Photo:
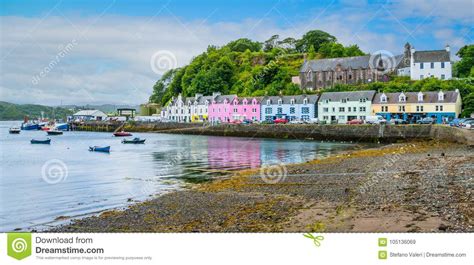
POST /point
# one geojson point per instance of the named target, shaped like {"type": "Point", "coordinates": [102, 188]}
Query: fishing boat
{"type": "Point", "coordinates": [30, 126]}
{"type": "Point", "coordinates": [47, 141]}
{"type": "Point", "coordinates": [54, 132]}
{"type": "Point", "coordinates": [135, 140]}
{"type": "Point", "coordinates": [14, 130]}
{"type": "Point", "coordinates": [62, 126]}
{"type": "Point", "coordinates": [122, 134]}
{"type": "Point", "coordinates": [105, 149]}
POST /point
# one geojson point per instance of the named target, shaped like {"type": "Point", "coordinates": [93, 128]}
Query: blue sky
{"type": "Point", "coordinates": [108, 46]}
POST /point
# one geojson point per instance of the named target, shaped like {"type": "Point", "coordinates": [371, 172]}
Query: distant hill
{"type": "Point", "coordinates": [10, 111]}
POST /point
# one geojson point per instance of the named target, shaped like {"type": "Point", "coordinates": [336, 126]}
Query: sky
{"type": "Point", "coordinates": [113, 51]}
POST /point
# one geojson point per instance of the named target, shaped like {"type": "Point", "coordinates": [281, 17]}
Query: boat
{"type": "Point", "coordinates": [105, 149]}
{"type": "Point", "coordinates": [47, 141]}
{"type": "Point", "coordinates": [135, 140]}
{"type": "Point", "coordinates": [62, 126]}
{"type": "Point", "coordinates": [14, 130]}
{"type": "Point", "coordinates": [122, 134]}
{"type": "Point", "coordinates": [30, 126]}
{"type": "Point", "coordinates": [54, 132]}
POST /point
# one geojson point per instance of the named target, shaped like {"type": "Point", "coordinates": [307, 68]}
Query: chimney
{"type": "Point", "coordinates": [448, 49]}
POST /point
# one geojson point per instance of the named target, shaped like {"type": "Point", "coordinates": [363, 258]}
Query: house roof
{"type": "Point", "coordinates": [90, 113]}
{"type": "Point", "coordinates": [412, 97]}
{"type": "Point", "coordinates": [312, 99]}
{"type": "Point", "coordinates": [350, 95]}
{"type": "Point", "coordinates": [221, 98]}
{"type": "Point", "coordinates": [431, 56]}
{"type": "Point", "coordinates": [329, 64]}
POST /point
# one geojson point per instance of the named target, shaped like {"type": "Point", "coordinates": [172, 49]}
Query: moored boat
{"type": "Point", "coordinates": [30, 126]}
{"type": "Point", "coordinates": [122, 134]}
{"type": "Point", "coordinates": [54, 132]}
{"type": "Point", "coordinates": [35, 141]}
{"type": "Point", "coordinates": [135, 140]}
{"type": "Point", "coordinates": [62, 126]}
{"type": "Point", "coordinates": [14, 130]}
{"type": "Point", "coordinates": [105, 149]}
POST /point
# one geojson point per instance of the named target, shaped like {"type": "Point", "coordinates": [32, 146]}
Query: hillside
{"type": "Point", "coordinates": [246, 67]}
{"type": "Point", "coordinates": [10, 111]}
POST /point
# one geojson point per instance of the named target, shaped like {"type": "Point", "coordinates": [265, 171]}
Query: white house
{"type": "Point", "coordinates": [189, 109]}
{"type": "Point", "coordinates": [424, 64]}
{"type": "Point", "coordinates": [340, 107]}
{"type": "Point", "coordinates": [299, 107]}
{"type": "Point", "coordinates": [89, 115]}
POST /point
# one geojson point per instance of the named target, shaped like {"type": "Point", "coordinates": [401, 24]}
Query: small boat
{"type": "Point", "coordinates": [14, 130]}
{"type": "Point", "coordinates": [135, 140]}
{"type": "Point", "coordinates": [105, 149]}
{"type": "Point", "coordinates": [122, 134]}
{"type": "Point", "coordinates": [54, 132]}
{"type": "Point", "coordinates": [47, 141]}
{"type": "Point", "coordinates": [62, 126]}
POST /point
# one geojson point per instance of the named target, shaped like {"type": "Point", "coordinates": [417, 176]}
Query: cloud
{"type": "Point", "coordinates": [110, 61]}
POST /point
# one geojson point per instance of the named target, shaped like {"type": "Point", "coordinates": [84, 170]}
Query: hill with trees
{"type": "Point", "coordinates": [12, 112]}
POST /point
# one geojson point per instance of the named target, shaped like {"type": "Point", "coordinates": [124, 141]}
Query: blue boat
{"type": "Point", "coordinates": [62, 126]}
{"type": "Point", "coordinates": [105, 149]}
{"type": "Point", "coordinates": [30, 126]}
{"type": "Point", "coordinates": [47, 141]}
{"type": "Point", "coordinates": [135, 140]}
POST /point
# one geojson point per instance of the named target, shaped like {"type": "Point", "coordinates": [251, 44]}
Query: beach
{"type": "Point", "coordinates": [422, 186]}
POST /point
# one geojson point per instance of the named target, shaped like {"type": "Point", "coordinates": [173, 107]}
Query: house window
{"type": "Point", "coordinates": [279, 102]}
{"type": "Point", "coordinates": [402, 98]}
{"type": "Point", "coordinates": [442, 64]}
{"type": "Point", "coordinates": [421, 66]}
{"type": "Point", "coordinates": [245, 110]}
{"type": "Point", "coordinates": [443, 77]}
{"type": "Point", "coordinates": [305, 110]}
{"type": "Point", "coordinates": [325, 118]}
{"type": "Point", "coordinates": [420, 96]}
{"type": "Point", "coordinates": [254, 110]}
{"type": "Point", "coordinates": [268, 110]}
{"type": "Point", "coordinates": [441, 108]}
{"type": "Point", "coordinates": [354, 108]}
{"type": "Point", "coordinates": [268, 102]}
{"type": "Point", "coordinates": [333, 109]}
{"type": "Point", "coordinates": [342, 117]}
{"type": "Point", "coordinates": [419, 108]}
{"type": "Point", "coordinates": [362, 109]}
{"type": "Point", "coordinates": [349, 109]}
{"type": "Point", "coordinates": [341, 109]}
{"type": "Point", "coordinates": [401, 108]}
{"type": "Point", "coordinates": [305, 101]}
{"type": "Point", "coordinates": [292, 101]}
{"type": "Point", "coordinates": [279, 110]}
{"type": "Point", "coordinates": [292, 110]}
{"type": "Point", "coordinates": [383, 98]}
{"type": "Point", "coordinates": [421, 76]}
{"type": "Point", "coordinates": [344, 100]}
{"type": "Point", "coordinates": [437, 109]}
{"type": "Point", "coordinates": [325, 109]}
{"type": "Point", "coordinates": [432, 65]}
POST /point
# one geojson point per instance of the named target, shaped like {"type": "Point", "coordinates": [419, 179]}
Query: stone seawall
{"type": "Point", "coordinates": [358, 133]}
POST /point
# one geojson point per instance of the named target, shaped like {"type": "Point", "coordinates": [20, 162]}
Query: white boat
{"type": "Point", "coordinates": [14, 130]}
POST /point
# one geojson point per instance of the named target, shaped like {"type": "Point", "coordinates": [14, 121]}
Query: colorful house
{"type": "Point", "coordinates": [340, 107]}
{"type": "Point", "coordinates": [300, 107]}
{"type": "Point", "coordinates": [229, 108]}
{"type": "Point", "coordinates": [412, 106]}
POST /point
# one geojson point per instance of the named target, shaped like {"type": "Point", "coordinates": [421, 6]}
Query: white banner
{"type": "Point", "coordinates": [237, 248]}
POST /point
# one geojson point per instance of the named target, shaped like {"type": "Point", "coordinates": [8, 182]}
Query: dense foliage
{"type": "Point", "coordinates": [249, 68]}
{"type": "Point", "coordinates": [9, 111]}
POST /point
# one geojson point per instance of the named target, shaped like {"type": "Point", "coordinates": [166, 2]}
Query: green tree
{"type": "Point", "coordinates": [241, 45]}
{"type": "Point", "coordinates": [313, 38]}
{"type": "Point", "coordinates": [465, 67]}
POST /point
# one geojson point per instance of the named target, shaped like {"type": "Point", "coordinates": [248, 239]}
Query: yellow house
{"type": "Point", "coordinates": [443, 106]}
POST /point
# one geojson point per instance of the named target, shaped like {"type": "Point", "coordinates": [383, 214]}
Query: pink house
{"type": "Point", "coordinates": [230, 108]}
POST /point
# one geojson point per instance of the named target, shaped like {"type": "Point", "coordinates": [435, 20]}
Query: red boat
{"type": "Point", "coordinates": [122, 134]}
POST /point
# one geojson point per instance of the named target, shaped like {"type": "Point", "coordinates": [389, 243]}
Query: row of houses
{"type": "Point", "coordinates": [331, 107]}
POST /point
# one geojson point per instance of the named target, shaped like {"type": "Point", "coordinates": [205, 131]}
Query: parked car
{"type": "Point", "coordinates": [236, 122]}
{"type": "Point", "coordinates": [464, 121]}
{"type": "Point", "coordinates": [468, 124]}
{"type": "Point", "coordinates": [398, 121]}
{"type": "Point", "coordinates": [426, 120]}
{"type": "Point", "coordinates": [296, 121]}
{"type": "Point", "coordinates": [375, 120]}
{"type": "Point", "coordinates": [312, 121]}
{"type": "Point", "coordinates": [280, 121]}
{"type": "Point", "coordinates": [355, 121]}
{"type": "Point", "coordinates": [247, 122]}
{"type": "Point", "coordinates": [267, 122]}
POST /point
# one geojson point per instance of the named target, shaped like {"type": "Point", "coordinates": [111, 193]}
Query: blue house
{"type": "Point", "coordinates": [298, 107]}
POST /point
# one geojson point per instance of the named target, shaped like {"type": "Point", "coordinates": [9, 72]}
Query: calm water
{"type": "Point", "coordinates": [39, 183]}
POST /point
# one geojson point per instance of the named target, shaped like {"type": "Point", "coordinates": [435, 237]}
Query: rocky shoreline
{"type": "Point", "coordinates": [408, 187]}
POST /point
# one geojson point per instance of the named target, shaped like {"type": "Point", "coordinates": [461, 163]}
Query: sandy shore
{"type": "Point", "coordinates": [409, 187]}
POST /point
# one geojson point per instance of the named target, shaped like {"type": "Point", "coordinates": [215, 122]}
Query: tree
{"type": "Point", "coordinates": [161, 86]}
{"type": "Point", "coordinates": [468, 105]}
{"type": "Point", "coordinates": [288, 44]}
{"type": "Point", "coordinates": [465, 67]}
{"type": "Point", "coordinates": [271, 43]}
{"type": "Point", "coordinates": [243, 44]}
{"type": "Point", "coordinates": [313, 38]}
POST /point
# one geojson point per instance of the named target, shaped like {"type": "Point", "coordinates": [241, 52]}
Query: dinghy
{"type": "Point", "coordinates": [135, 140]}
{"type": "Point", "coordinates": [14, 130]}
{"type": "Point", "coordinates": [35, 141]}
{"type": "Point", "coordinates": [122, 134]}
{"type": "Point", "coordinates": [105, 149]}
{"type": "Point", "coordinates": [54, 132]}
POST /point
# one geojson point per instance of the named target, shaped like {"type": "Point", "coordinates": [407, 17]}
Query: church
{"type": "Point", "coordinates": [323, 73]}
